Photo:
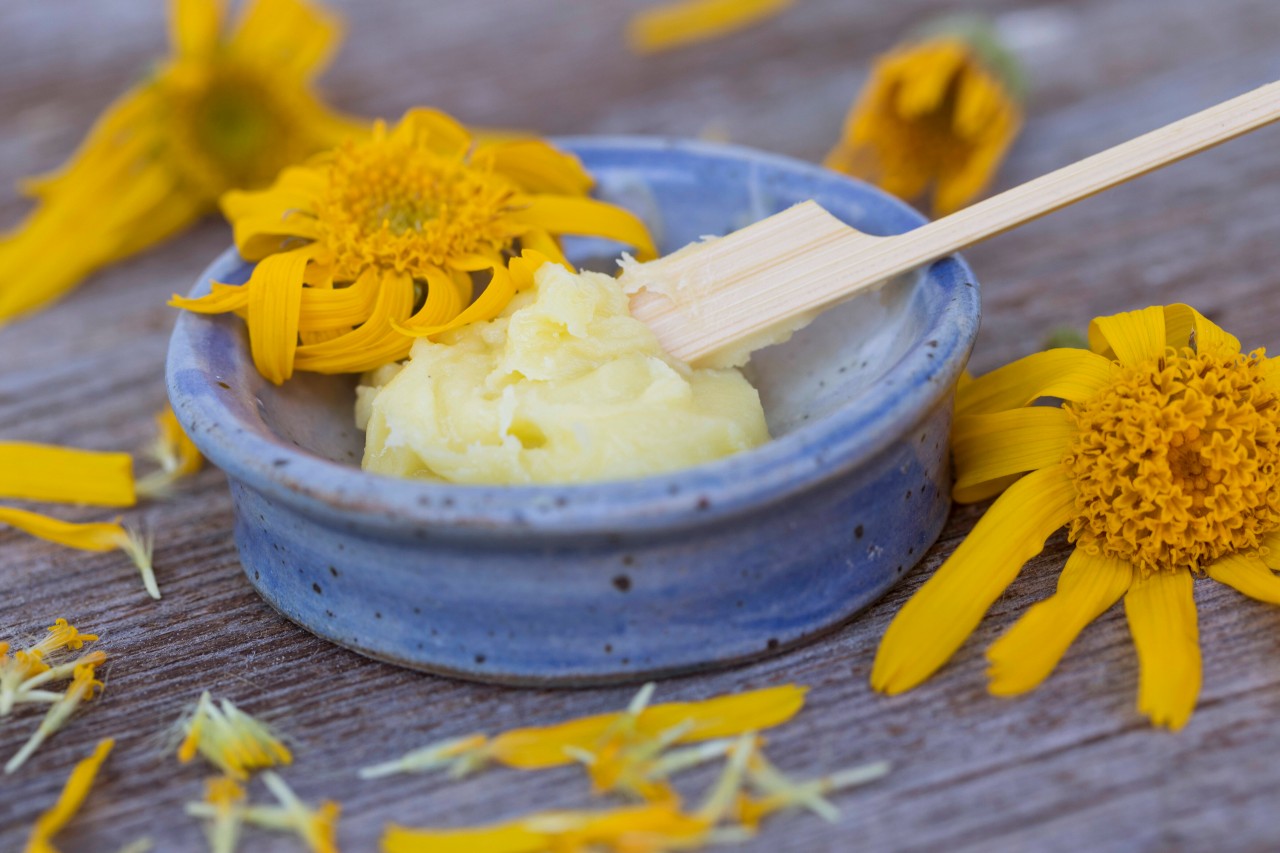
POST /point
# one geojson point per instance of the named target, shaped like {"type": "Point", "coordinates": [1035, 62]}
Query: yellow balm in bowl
{"type": "Point", "coordinates": [564, 386]}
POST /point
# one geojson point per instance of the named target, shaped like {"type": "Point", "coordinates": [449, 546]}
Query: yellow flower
{"type": "Point", "coordinates": [73, 794]}
{"type": "Point", "coordinates": [25, 672]}
{"type": "Point", "coordinates": [940, 112]}
{"type": "Point", "coordinates": [346, 244]}
{"type": "Point", "coordinates": [230, 739]}
{"type": "Point", "coordinates": [683, 22]}
{"type": "Point", "coordinates": [82, 687]}
{"type": "Point", "coordinates": [176, 454]}
{"type": "Point", "coordinates": [225, 110]}
{"type": "Point", "coordinates": [1162, 463]}
{"type": "Point", "coordinates": [617, 747]}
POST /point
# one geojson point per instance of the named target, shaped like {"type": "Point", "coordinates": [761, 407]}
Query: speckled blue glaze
{"type": "Point", "coordinates": [584, 584]}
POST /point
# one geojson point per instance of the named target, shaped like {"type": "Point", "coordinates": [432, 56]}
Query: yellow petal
{"type": "Point", "coordinates": [568, 215]}
{"type": "Point", "coordinates": [683, 22]}
{"type": "Point", "coordinates": [924, 81]}
{"type": "Point", "coordinates": [1131, 336]}
{"type": "Point", "coordinates": [375, 342]}
{"type": "Point", "coordinates": [439, 131]}
{"type": "Point", "coordinates": [340, 307]}
{"type": "Point", "coordinates": [1070, 374]}
{"type": "Point", "coordinates": [946, 609]}
{"type": "Point", "coordinates": [536, 167]}
{"type": "Point", "coordinates": [1185, 324]}
{"type": "Point", "coordinates": [963, 179]}
{"type": "Point", "coordinates": [222, 299]}
{"type": "Point", "coordinates": [40, 472]}
{"type": "Point", "coordinates": [504, 838]}
{"type": "Point", "coordinates": [69, 801]}
{"type": "Point", "coordinates": [992, 447]}
{"type": "Point", "coordinates": [195, 26]}
{"type": "Point", "coordinates": [1247, 575]}
{"type": "Point", "coordinates": [1162, 619]}
{"type": "Point", "coordinates": [1026, 653]}
{"type": "Point", "coordinates": [290, 37]}
{"type": "Point", "coordinates": [723, 716]}
{"type": "Point", "coordinates": [274, 309]}
{"type": "Point", "coordinates": [91, 536]}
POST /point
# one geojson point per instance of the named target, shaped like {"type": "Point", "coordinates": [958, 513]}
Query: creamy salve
{"type": "Point", "coordinates": [564, 386]}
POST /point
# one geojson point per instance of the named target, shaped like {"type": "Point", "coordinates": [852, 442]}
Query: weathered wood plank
{"type": "Point", "coordinates": [1071, 766]}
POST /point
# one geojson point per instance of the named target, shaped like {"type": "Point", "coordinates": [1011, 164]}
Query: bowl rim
{"type": "Point", "coordinates": [711, 492]}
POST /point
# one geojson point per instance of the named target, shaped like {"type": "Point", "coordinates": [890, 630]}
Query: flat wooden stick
{"type": "Point", "coordinates": [723, 292]}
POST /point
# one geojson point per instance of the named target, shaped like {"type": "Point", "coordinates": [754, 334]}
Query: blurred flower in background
{"type": "Point", "coordinates": [937, 113]}
{"type": "Point", "coordinates": [224, 111]}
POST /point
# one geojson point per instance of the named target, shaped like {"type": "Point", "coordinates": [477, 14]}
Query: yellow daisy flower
{"type": "Point", "coordinates": [225, 110]}
{"type": "Point", "coordinates": [936, 112]}
{"type": "Point", "coordinates": [69, 801]}
{"type": "Point", "coordinates": [1162, 463]}
{"type": "Point", "coordinates": [346, 244]}
{"type": "Point", "coordinates": [683, 22]}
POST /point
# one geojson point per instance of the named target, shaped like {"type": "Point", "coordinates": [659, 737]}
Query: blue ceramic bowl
{"type": "Point", "coordinates": [586, 584]}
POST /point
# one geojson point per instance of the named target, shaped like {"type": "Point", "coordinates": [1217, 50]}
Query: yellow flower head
{"type": "Point", "coordinates": [936, 112]}
{"type": "Point", "coordinates": [69, 801]}
{"type": "Point", "coordinates": [228, 108]}
{"type": "Point", "coordinates": [378, 239]}
{"type": "Point", "coordinates": [230, 739]}
{"type": "Point", "coordinates": [1163, 461]}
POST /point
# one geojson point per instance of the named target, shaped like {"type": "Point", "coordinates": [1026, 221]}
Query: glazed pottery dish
{"type": "Point", "coordinates": [611, 581]}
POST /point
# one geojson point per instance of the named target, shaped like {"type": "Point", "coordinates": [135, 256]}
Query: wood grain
{"type": "Point", "coordinates": [1071, 766]}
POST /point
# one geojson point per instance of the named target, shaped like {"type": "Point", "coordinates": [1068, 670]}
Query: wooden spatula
{"type": "Point", "coordinates": [774, 273]}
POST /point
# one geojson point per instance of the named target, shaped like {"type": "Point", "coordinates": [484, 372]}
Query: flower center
{"type": "Point", "coordinates": [231, 133]}
{"type": "Point", "coordinates": [395, 204]}
{"type": "Point", "coordinates": [1175, 462]}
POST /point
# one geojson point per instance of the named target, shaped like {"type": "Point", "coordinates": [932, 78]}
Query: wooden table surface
{"type": "Point", "coordinates": [1070, 766]}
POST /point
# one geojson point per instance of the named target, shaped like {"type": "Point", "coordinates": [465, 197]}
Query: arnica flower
{"type": "Point", "coordinates": [226, 110]}
{"type": "Point", "coordinates": [382, 236]}
{"type": "Point", "coordinates": [25, 674]}
{"type": "Point", "coordinates": [81, 689]}
{"type": "Point", "coordinates": [229, 739]}
{"type": "Point", "coordinates": [617, 746]}
{"type": "Point", "coordinates": [73, 795]}
{"type": "Point", "coordinates": [939, 111]}
{"type": "Point", "coordinates": [1163, 462]}
{"type": "Point", "coordinates": [684, 22]}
